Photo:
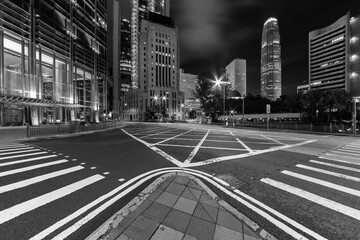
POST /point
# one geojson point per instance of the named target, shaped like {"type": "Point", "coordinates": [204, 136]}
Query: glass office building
{"type": "Point", "coordinates": [52, 61]}
{"type": "Point", "coordinates": [271, 60]}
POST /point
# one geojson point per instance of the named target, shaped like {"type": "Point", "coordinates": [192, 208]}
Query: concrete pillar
{"type": "Point", "coordinates": [34, 113]}
{"type": "Point", "coordinates": [2, 114]}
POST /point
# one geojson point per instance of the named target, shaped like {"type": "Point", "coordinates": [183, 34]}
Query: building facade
{"type": "Point", "coordinates": [52, 61]}
{"type": "Point", "coordinates": [113, 56]}
{"type": "Point", "coordinates": [188, 84]}
{"type": "Point", "coordinates": [271, 60]}
{"type": "Point", "coordinates": [159, 71]}
{"type": "Point", "coordinates": [236, 74]}
{"type": "Point", "coordinates": [139, 10]}
{"type": "Point", "coordinates": [334, 51]}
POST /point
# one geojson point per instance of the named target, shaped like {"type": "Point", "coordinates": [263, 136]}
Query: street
{"type": "Point", "coordinates": [293, 185]}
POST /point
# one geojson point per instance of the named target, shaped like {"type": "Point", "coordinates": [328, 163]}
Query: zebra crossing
{"type": "Point", "coordinates": [39, 187]}
{"type": "Point", "coordinates": [330, 181]}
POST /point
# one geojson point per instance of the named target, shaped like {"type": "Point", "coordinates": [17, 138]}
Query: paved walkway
{"type": "Point", "coordinates": [179, 207]}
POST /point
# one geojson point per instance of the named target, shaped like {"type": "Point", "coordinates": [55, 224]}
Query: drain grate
{"type": "Point", "coordinates": [232, 181]}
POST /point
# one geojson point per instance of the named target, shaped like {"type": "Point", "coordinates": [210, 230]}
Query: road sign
{"type": "Point", "coordinates": [267, 108]}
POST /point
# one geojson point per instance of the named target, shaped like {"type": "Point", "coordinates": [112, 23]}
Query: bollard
{"type": "Point", "coordinates": [27, 130]}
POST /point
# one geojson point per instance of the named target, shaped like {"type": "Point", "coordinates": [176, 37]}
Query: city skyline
{"type": "Point", "coordinates": [212, 33]}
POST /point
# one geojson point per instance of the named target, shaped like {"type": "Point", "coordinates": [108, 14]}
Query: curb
{"type": "Point", "coordinates": [105, 229]}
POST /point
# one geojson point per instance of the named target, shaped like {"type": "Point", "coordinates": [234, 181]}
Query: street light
{"type": "Point", "coordinates": [220, 83]}
{"type": "Point", "coordinates": [156, 98]}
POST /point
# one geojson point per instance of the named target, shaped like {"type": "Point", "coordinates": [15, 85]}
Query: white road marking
{"type": "Point", "coordinates": [338, 207]}
{"type": "Point", "coordinates": [238, 156]}
{"type": "Point", "coordinates": [341, 152]}
{"type": "Point", "coordinates": [348, 150]}
{"type": "Point", "coordinates": [342, 161]}
{"type": "Point", "coordinates": [82, 210]}
{"type": "Point", "coordinates": [267, 216]}
{"type": "Point", "coordinates": [188, 146]}
{"type": "Point", "coordinates": [336, 166]}
{"type": "Point", "coordinates": [329, 173]}
{"type": "Point", "coordinates": [242, 143]}
{"type": "Point", "coordinates": [16, 149]}
{"type": "Point", "coordinates": [92, 168]}
{"type": "Point", "coordinates": [342, 156]}
{"type": "Point", "coordinates": [37, 179]}
{"type": "Point", "coordinates": [16, 152]}
{"type": "Point", "coordinates": [26, 160]}
{"type": "Point", "coordinates": [323, 183]}
{"type": "Point", "coordinates": [24, 169]}
{"type": "Point", "coordinates": [157, 150]}
{"type": "Point", "coordinates": [274, 140]}
{"type": "Point", "coordinates": [156, 133]}
{"type": "Point", "coordinates": [121, 179]}
{"type": "Point", "coordinates": [19, 209]}
{"type": "Point", "coordinates": [165, 140]}
{"type": "Point", "coordinates": [22, 155]}
{"type": "Point", "coordinates": [196, 149]}
{"type": "Point", "coordinates": [106, 173]}
{"type": "Point", "coordinates": [12, 146]}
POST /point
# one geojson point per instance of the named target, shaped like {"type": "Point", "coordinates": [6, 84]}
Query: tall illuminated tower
{"type": "Point", "coordinates": [271, 60]}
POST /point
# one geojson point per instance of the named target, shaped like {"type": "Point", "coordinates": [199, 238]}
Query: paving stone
{"type": "Point", "coordinates": [123, 237]}
{"type": "Point", "coordinates": [177, 220]}
{"type": "Point", "coordinates": [164, 184]}
{"type": "Point", "coordinates": [182, 180]}
{"type": "Point", "coordinates": [193, 184]}
{"type": "Point", "coordinates": [156, 212]}
{"type": "Point", "coordinates": [166, 233]}
{"type": "Point", "coordinates": [212, 211]}
{"type": "Point", "coordinates": [185, 205]}
{"type": "Point", "coordinates": [167, 199]}
{"type": "Point", "coordinates": [226, 219]}
{"type": "Point", "coordinates": [115, 233]}
{"type": "Point", "coordinates": [188, 194]}
{"type": "Point", "coordinates": [135, 214]}
{"type": "Point", "coordinates": [197, 193]}
{"type": "Point", "coordinates": [200, 212]}
{"type": "Point", "coordinates": [224, 233]}
{"type": "Point", "coordinates": [153, 196]}
{"type": "Point", "coordinates": [250, 234]}
{"type": "Point", "coordinates": [142, 228]}
{"type": "Point", "coordinates": [175, 188]}
{"type": "Point", "coordinates": [189, 237]}
{"type": "Point", "coordinates": [201, 229]}
{"type": "Point", "coordinates": [205, 198]}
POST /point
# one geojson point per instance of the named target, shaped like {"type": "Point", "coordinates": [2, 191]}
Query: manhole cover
{"type": "Point", "coordinates": [232, 181]}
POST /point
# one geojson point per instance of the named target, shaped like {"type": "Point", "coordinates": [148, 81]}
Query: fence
{"type": "Point", "coordinates": [69, 128]}
{"type": "Point", "coordinates": [296, 126]}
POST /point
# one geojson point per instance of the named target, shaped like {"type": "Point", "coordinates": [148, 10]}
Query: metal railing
{"type": "Point", "coordinates": [295, 126]}
{"type": "Point", "coordinates": [68, 128]}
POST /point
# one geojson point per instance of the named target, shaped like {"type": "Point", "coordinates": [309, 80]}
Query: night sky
{"type": "Point", "coordinates": [214, 32]}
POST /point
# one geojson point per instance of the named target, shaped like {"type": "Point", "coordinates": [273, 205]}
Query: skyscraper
{"type": "Point", "coordinates": [334, 56]}
{"type": "Point", "coordinates": [271, 60]}
{"type": "Point", "coordinates": [236, 73]}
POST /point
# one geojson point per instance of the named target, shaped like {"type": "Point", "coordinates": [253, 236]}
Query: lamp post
{"type": "Point", "coordinates": [219, 83]}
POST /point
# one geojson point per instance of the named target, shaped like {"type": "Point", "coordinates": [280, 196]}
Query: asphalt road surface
{"type": "Point", "coordinates": [293, 185]}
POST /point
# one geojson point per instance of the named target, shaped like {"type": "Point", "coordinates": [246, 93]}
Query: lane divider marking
{"type": "Point", "coordinates": [338, 207]}
{"type": "Point", "coordinates": [196, 149]}
{"type": "Point", "coordinates": [19, 209]}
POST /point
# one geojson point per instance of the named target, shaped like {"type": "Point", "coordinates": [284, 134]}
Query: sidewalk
{"type": "Point", "coordinates": [178, 207]}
